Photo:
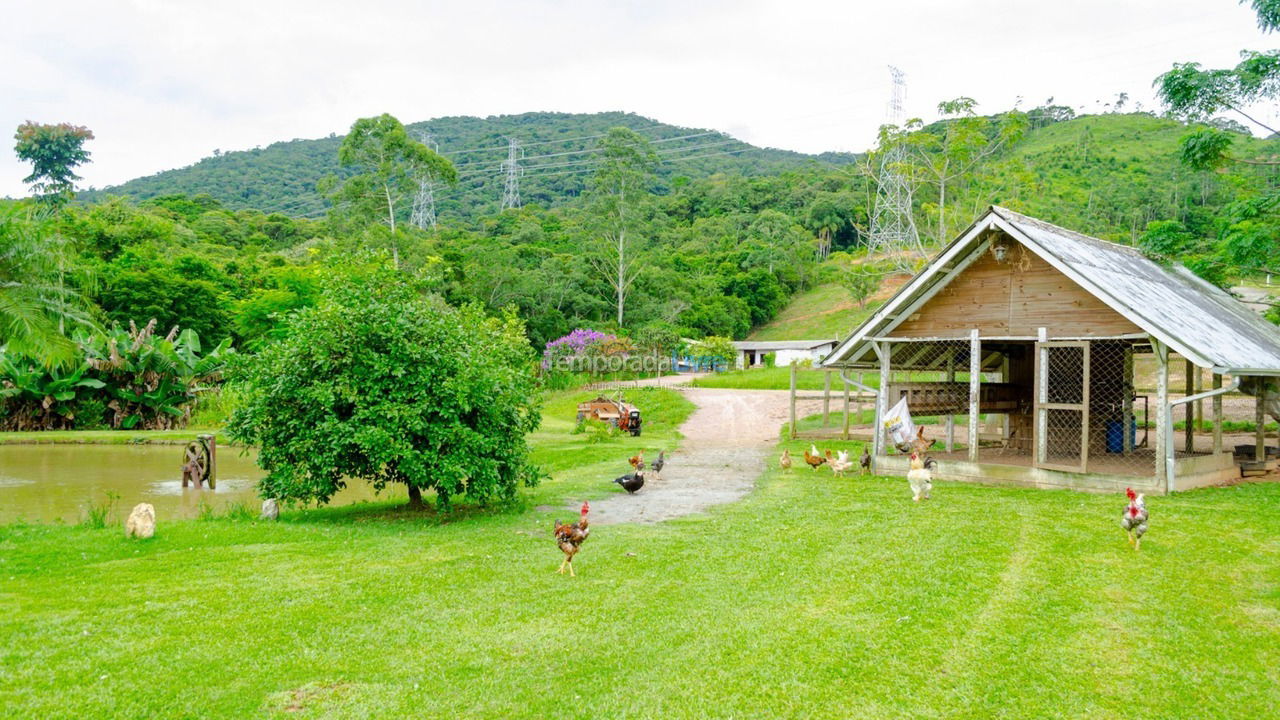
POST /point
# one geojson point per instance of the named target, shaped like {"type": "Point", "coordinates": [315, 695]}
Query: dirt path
{"type": "Point", "coordinates": [728, 440]}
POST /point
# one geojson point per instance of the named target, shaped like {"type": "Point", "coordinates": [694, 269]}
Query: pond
{"type": "Point", "coordinates": [48, 483]}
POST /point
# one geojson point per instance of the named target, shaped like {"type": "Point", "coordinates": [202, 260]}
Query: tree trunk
{"type": "Point", "coordinates": [415, 498]}
{"type": "Point", "coordinates": [391, 222]}
{"type": "Point", "coordinates": [622, 270]}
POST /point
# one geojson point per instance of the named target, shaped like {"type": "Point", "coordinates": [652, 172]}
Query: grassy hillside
{"type": "Point", "coordinates": [825, 311]}
{"type": "Point", "coordinates": [556, 148]}
{"type": "Point", "coordinates": [1106, 175]}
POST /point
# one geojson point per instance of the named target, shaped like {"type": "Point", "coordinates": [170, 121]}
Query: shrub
{"type": "Point", "coordinates": [379, 383]}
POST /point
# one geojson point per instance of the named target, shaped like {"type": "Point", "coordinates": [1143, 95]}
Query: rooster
{"type": "Point", "coordinates": [784, 462]}
{"type": "Point", "coordinates": [840, 463]}
{"type": "Point", "coordinates": [631, 482]}
{"type": "Point", "coordinates": [812, 457]}
{"type": "Point", "coordinates": [636, 460]}
{"type": "Point", "coordinates": [1134, 519]}
{"type": "Point", "coordinates": [920, 479]}
{"type": "Point", "coordinates": [865, 461]}
{"type": "Point", "coordinates": [570, 539]}
{"type": "Point", "coordinates": [659, 463]}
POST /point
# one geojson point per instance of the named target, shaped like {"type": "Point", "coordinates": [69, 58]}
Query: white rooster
{"type": "Point", "coordinates": [840, 463]}
{"type": "Point", "coordinates": [920, 478]}
{"type": "Point", "coordinates": [1134, 519]}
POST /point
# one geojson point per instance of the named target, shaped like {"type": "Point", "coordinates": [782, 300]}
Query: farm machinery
{"type": "Point", "coordinates": [622, 415]}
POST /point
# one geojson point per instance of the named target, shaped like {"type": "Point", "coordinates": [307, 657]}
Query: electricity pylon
{"type": "Point", "coordinates": [424, 203]}
{"type": "Point", "coordinates": [511, 167]}
{"type": "Point", "coordinates": [893, 229]}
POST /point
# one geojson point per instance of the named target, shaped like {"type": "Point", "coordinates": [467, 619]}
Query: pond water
{"type": "Point", "coordinates": [47, 483]}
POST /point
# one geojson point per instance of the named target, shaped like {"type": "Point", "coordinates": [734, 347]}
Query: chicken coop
{"type": "Point", "coordinates": [1039, 356]}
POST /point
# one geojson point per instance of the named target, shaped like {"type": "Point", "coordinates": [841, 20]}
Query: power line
{"type": "Point", "coordinates": [659, 153]}
{"type": "Point", "coordinates": [480, 165]}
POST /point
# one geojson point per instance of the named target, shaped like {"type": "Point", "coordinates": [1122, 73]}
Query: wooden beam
{"type": "Point", "coordinates": [1217, 415]}
{"type": "Point", "coordinates": [1041, 397]}
{"type": "Point", "coordinates": [1084, 410]}
{"type": "Point", "coordinates": [951, 418]}
{"type": "Point", "coordinates": [826, 399]}
{"type": "Point", "coordinates": [1190, 431]}
{"type": "Point", "coordinates": [1126, 416]}
{"type": "Point", "coordinates": [793, 401]}
{"type": "Point", "coordinates": [1164, 436]}
{"type": "Point", "coordinates": [975, 391]}
{"type": "Point", "coordinates": [844, 432]}
{"type": "Point", "coordinates": [882, 398]}
{"type": "Point", "coordinates": [1259, 417]}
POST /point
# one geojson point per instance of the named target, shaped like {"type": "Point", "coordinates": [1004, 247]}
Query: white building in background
{"type": "Point", "coordinates": [751, 353]}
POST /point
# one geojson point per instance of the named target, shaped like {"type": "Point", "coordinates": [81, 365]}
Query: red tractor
{"type": "Point", "coordinates": [619, 414]}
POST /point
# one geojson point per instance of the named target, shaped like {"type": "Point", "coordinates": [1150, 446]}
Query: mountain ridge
{"type": "Point", "coordinates": [557, 148]}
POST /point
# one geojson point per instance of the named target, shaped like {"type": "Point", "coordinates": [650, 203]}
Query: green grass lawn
{"type": "Point", "coordinates": [779, 378]}
{"type": "Point", "coordinates": [812, 597]}
{"type": "Point", "coordinates": [824, 311]}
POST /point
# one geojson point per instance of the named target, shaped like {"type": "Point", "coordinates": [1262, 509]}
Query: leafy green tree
{"type": "Point", "coordinates": [1194, 93]}
{"type": "Point", "coordinates": [1268, 14]}
{"type": "Point", "coordinates": [378, 383]}
{"type": "Point", "coordinates": [620, 188]}
{"type": "Point", "coordinates": [861, 284]}
{"type": "Point", "coordinates": [36, 304]}
{"type": "Point", "coordinates": [389, 165]}
{"type": "Point", "coordinates": [54, 151]}
{"type": "Point", "coordinates": [717, 347]}
{"type": "Point", "coordinates": [949, 150]}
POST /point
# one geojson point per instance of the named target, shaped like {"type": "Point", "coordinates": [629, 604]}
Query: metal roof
{"type": "Point", "coordinates": [1197, 320]}
{"type": "Point", "coordinates": [782, 344]}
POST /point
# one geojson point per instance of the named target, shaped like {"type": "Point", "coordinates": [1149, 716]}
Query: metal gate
{"type": "Point", "coordinates": [1062, 405]}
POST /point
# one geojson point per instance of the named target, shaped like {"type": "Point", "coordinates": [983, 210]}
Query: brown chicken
{"type": "Point", "coordinates": [636, 460]}
{"type": "Point", "coordinates": [784, 462]}
{"type": "Point", "coordinates": [571, 537]}
{"type": "Point", "coordinates": [813, 459]}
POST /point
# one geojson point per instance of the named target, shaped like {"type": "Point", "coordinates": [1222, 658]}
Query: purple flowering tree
{"type": "Point", "coordinates": [576, 344]}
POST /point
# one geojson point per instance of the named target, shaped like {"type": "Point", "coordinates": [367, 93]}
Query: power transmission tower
{"type": "Point", "coordinates": [511, 166]}
{"type": "Point", "coordinates": [893, 229]}
{"type": "Point", "coordinates": [424, 203]}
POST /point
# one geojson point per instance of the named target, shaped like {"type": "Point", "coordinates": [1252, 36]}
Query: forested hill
{"type": "Point", "coordinates": [557, 162]}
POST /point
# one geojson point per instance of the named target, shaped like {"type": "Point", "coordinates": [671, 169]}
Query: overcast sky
{"type": "Point", "coordinates": [164, 82]}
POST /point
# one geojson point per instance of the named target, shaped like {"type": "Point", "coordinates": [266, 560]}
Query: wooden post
{"type": "Point", "coordinates": [975, 378]}
{"type": "Point", "coordinates": [844, 433]}
{"type": "Point", "coordinates": [1217, 415]}
{"type": "Point", "coordinates": [882, 397]}
{"type": "Point", "coordinates": [857, 404]}
{"type": "Point", "coordinates": [951, 417]}
{"type": "Point", "coordinates": [793, 401]}
{"type": "Point", "coordinates": [1005, 371]}
{"type": "Point", "coordinates": [826, 399]}
{"type": "Point", "coordinates": [1126, 415]}
{"type": "Point", "coordinates": [1259, 417]}
{"type": "Point", "coordinates": [1164, 429]}
{"type": "Point", "coordinates": [1041, 396]}
{"type": "Point", "coordinates": [1200, 404]}
{"type": "Point", "coordinates": [1190, 414]}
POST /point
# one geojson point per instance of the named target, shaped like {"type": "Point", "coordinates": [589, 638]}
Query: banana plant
{"type": "Point", "coordinates": [33, 396]}
{"type": "Point", "coordinates": [153, 380]}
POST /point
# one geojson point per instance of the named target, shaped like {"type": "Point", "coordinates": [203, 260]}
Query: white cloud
{"type": "Point", "coordinates": [164, 82]}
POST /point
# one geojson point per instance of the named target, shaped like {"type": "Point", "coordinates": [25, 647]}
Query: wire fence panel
{"type": "Point", "coordinates": [1119, 442]}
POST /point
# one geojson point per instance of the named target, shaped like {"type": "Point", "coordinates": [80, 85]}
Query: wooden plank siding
{"type": "Point", "coordinates": [1013, 298]}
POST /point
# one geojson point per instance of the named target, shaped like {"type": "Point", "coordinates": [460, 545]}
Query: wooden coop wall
{"type": "Point", "coordinates": [1014, 298]}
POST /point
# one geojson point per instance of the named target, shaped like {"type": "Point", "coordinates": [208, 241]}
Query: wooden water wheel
{"type": "Point", "coordinates": [195, 463]}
